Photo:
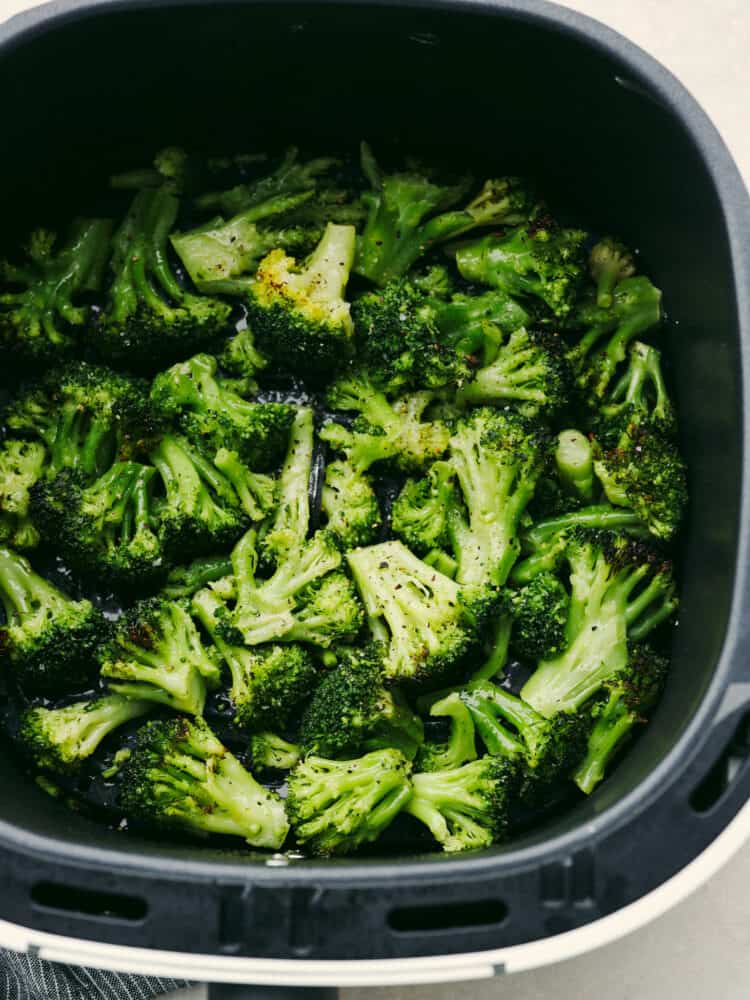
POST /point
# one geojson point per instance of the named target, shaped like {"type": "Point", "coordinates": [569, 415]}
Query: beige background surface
{"type": "Point", "coordinates": [701, 950]}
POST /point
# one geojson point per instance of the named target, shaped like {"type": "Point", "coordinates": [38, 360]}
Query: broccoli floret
{"type": "Point", "coordinates": [610, 262]}
{"type": "Point", "coordinates": [255, 491]}
{"type": "Point", "coordinates": [184, 581]}
{"type": "Point", "coordinates": [545, 542]}
{"type": "Point", "coordinates": [402, 223]}
{"type": "Point", "coordinates": [529, 370]}
{"type": "Point", "coordinates": [299, 315]}
{"type": "Point", "coordinates": [223, 249]}
{"type": "Point", "coordinates": [290, 177]}
{"type": "Point", "coordinates": [646, 473]}
{"type": "Point", "coordinates": [22, 464]}
{"type": "Point", "coordinates": [352, 711]}
{"type": "Point", "coordinates": [61, 739]}
{"type": "Point", "coordinates": [268, 681]}
{"type": "Point", "coordinates": [639, 398]}
{"type": "Point", "coordinates": [288, 530]}
{"type": "Point", "coordinates": [421, 512]}
{"type": "Point", "coordinates": [497, 457]}
{"type": "Point", "coordinates": [87, 416]}
{"type": "Point", "coordinates": [636, 307]}
{"type": "Point", "coordinates": [574, 463]}
{"type": "Point", "coordinates": [241, 357]}
{"type": "Point", "coordinates": [548, 747]}
{"type": "Point", "coordinates": [466, 807]}
{"type": "Point", "coordinates": [479, 322]}
{"type": "Point", "coordinates": [272, 751]}
{"type": "Point", "coordinates": [173, 168]}
{"type": "Point", "coordinates": [211, 413]}
{"type": "Point", "coordinates": [620, 591]}
{"type": "Point", "coordinates": [384, 431]}
{"type": "Point", "coordinates": [304, 600]}
{"type": "Point", "coordinates": [538, 261]}
{"type": "Point", "coordinates": [429, 624]}
{"type": "Point", "coordinates": [41, 313]}
{"type": "Point", "coordinates": [180, 775]}
{"type": "Point", "coordinates": [49, 639]}
{"type": "Point", "coordinates": [335, 806]}
{"type": "Point", "coordinates": [156, 654]}
{"type": "Point", "coordinates": [627, 699]}
{"type": "Point", "coordinates": [435, 281]}
{"type": "Point", "coordinates": [540, 613]}
{"type": "Point", "coordinates": [350, 505]}
{"type": "Point", "coordinates": [200, 510]}
{"type": "Point", "coordinates": [461, 746]}
{"type": "Point", "coordinates": [149, 319]}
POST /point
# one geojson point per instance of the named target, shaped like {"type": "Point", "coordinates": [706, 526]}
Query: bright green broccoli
{"type": "Point", "coordinates": [184, 581]}
{"type": "Point", "coordinates": [538, 262]}
{"type": "Point", "coordinates": [574, 463]}
{"type": "Point", "coordinates": [529, 370]}
{"type": "Point", "coordinates": [429, 624]}
{"type": "Point", "coordinates": [625, 703]}
{"type": "Point", "coordinates": [352, 712]}
{"type": "Point", "coordinates": [466, 807]}
{"type": "Point", "coordinates": [388, 432]}
{"type": "Point", "coordinates": [350, 505]}
{"type": "Point", "coordinates": [268, 681]}
{"type": "Point", "coordinates": [273, 751]}
{"type": "Point", "coordinates": [335, 806]}
{"type": "Point", "coordinates": [540, 612]}
{"type": "Point", "coordinates": [179, 775]}
{"type": "Point", "coordinates": [61, 739]}
{"type": "Point", "coordinates": [149, 319]}
{"type": "Point", "coordinates": [461, 746]}
{"type": "Point", "coordinates": [107, 530]}
{"type": "Point", "coordinates": [610, 262]}
{"type": "Point", "coordinates": [288, 530]}
{"type": "Point", "coordinates": [241, 357]}
{"type": "Point", "coordinates": [200, 510]}
{"type": "Point", "coordinates": [211, 413]}
{"type": "Point", "coordinates": [22, 464]}
{"type": "Point", "coordinates": [156, 654]}
{"type": "Point", "coordinates": [49, 639]}
{"type": "Point", "coordinates": [42, 314]}
{"type": "Point", "coordinates": [620, 591]}
{"type": "Point", "coordinates": [421, 512]}
{"type": "Point", "coordinates": [407, 215]}
{"type": "Point", "coordinates": [497, 457]}
{"type": "Point", "coordinates": [638, 398]}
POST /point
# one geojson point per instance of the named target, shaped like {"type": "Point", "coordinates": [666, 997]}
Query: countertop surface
{"type": "Point", "coordinates": [700, 949]}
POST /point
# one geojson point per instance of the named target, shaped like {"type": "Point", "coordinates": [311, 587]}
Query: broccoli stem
{"type": "Point", "coordinates": [481, 698]}
{"type": "Point", "coordinates": [498, 651]}
{"type": "Point", "coordinates": [575, 464]}
{"type": "Point", "coordinates": [186, 580]}
{"type": "Point", "coordinates": [610, 731]}
{"type": "Point", "coordinates": [292, 520]}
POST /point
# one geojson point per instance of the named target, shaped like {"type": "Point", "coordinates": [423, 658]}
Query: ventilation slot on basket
{"type": "Point", "coordinates": [79, 902]}
{"type": "Point", "coordinates": [418, 919]}
{"type": "Point", "coordinates": [718, 780]}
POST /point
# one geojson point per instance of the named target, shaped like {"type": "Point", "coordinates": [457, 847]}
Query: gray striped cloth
{"type": "Point", "coordinates": [25, 977]}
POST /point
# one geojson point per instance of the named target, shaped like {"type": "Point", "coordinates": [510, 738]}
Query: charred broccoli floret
{"type": "Point", "coordinates": [466, 807]}
{"type": "Point", "coordinates": [156, 654]}
{"type": "Point", "coordinates": [352, 711]}
{"type": "Point", "coordinates": [335, 806]}
{"type": "Point", "coordinates": [539, 261]}
{"type": "Point", "coordinates": [407, 215]}
{"type": "Point", "coordinates": [49, 639]}
{"type": "Point", "coordinates": [625, 703]}
{"type": "Point", "coordinates": [149, 319]}
{"type": "Point", "coordinates": [42, 314]}
{"type": "Point", "coordinates": [61, 739]}
{"type": "Point", "coordinates": [180, 775]}
{"type": "Point", "coordinates": [268, 681]}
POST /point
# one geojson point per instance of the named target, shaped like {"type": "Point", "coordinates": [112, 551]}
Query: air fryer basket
{"type": "Point", "coordinates": [518, 85]}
